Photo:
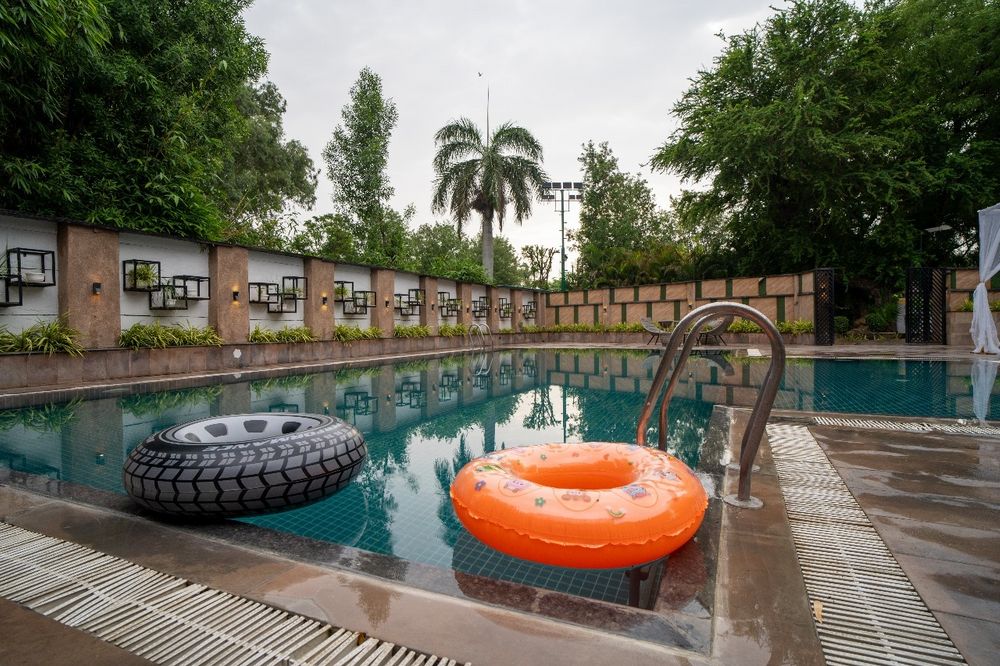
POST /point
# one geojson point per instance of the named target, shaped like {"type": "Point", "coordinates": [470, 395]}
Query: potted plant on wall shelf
{"type": "Point", "coordinates": [169, 296]}
{"type": "Point", "coordinates": [143, 276]}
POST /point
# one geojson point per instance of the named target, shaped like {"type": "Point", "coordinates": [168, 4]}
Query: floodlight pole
{"type": "Point", "coordinates": [562, 234]}
{"type": "Point", "coordinates": [576, 194]}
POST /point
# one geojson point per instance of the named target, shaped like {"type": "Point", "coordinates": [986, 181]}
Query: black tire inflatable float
{"type": "Point", "coordinates": [243, 464]}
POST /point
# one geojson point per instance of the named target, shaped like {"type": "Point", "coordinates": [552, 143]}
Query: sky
{"type": "Point", "coordinates": [569, 73]}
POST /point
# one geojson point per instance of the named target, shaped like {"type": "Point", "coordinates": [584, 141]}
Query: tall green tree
{"type": "Point", "coordinates": [356, 159]}
{"type": "Point", "coordinates": [123, 112]}
{"type": "Point", "coordinates": [330, 236]}
{"type": "Point", "coordinates": [832, 135]}
{"type": "Point", "coordinates": [473, 174]}
{"type": "Point", "coordinates": [265, 176]}
{"type": "Point", "coordinates": [621, 227]}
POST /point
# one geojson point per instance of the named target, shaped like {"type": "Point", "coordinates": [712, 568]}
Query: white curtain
{"type": "Point", "coordinates": [984, 331]}
{"type": "Point", "coordinates": [984, 376]}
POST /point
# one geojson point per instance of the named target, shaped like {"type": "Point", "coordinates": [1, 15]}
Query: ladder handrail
{"type": "Point", "coordinates": [696, 319]}
{"type": "Point", "coordinates": [483, 330]}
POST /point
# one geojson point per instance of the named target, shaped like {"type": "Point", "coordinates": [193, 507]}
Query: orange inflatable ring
{"type": "Point", "coordinates": [592, 505]}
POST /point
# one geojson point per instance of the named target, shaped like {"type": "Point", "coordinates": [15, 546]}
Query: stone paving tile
{"type": "Point", "coordinates": [977, 640]}
{"type": "Point", "coordinates": [960, 589]}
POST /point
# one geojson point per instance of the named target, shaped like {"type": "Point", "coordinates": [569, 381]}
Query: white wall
{"type": "Point", "coordinates": [405, 282]}
{"type": "Point", "coordinates": [176, 257]}
{"type": "Point", "coordinates": [38, 303]}
{"type": "Point", "coordinates": [263, 267]}
{"type": "Point", "coordinates": [362, 279]}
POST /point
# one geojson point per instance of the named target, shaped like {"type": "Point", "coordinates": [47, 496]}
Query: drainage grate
{"type": "Point", "coordinates": [908, 426]}
{"type": "Point", "coordinates": [865, 609]}
{"type": "Point", "coordinates": [169, 620]}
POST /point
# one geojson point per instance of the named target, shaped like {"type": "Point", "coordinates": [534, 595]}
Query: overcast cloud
{"type": "Point", "coordinates": [568, 72]}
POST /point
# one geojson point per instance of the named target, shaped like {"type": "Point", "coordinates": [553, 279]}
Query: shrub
{"type": "Point", "coordinates": [505, 331]}
{"type": "Point", "coordinates": [158, 336]}
{"type": "Point", "coordinates": [967, 306]}
{"type": "Point", "coordinates": [452, 330]}
{"type": "Point", "coordinates": [744, 326]}
{"type": "Point", "coordinates": [285, 334]}
{"type": "Point", "coordinates": [883, 318]}
{"type": "Point", "coordinates": [841, 325]}
{"type": "Point", "coordinates": [53, 337]}
{"type": "Point", "coordinates": [797, 327]}
{"type": "Point", "coordinates": [408, 331]}
{"type": "Point", "coordinates": [344, 333]}
{"type": "Point", "coordinates": [626, 327]}
{"type": "Point", "coordinates": [530, 328]}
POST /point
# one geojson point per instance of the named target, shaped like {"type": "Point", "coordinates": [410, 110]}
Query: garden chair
{"type": "Point", "coordinates": [655, 332]}
{"type": "Point", "coordinates": [712, 333]}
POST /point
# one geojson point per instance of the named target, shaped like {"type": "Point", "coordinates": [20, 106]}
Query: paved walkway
{"type": "Point", "coordinates": [934, 499]}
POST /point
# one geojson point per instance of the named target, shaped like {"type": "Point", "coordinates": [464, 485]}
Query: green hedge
{"type": "Point", "coordinates": [452, 330]}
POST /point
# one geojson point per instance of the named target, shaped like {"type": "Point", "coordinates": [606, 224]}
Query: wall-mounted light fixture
{"type": "Point", "coordinates": [387, 302]}
{"type": "Point", "coordinates": [95, 288]}
{"type": "Point", "coordinates": [323, 298]}
{"type": "Point", "coordinates": [236, 294]}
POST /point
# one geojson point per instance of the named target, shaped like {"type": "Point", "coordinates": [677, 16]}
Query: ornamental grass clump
{"type": "Point", "coordinates": [158, 336]}
{"type": "Point", "coordinates": [452, 330]}
{"type": "Point", "coordinates": [344, 333]}
{"type": "Point", "coordinates": [52, 337]}
{"type": "Point", "coordinates": [407, 331]}
{"type": "Point", "coordinates": [797, 327]}
{"type": "Point", "coordinates": [287, 334]}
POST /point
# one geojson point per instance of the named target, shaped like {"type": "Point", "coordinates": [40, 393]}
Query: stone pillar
{"type": "Point", "coordinates": [493, 316]}
{"type": "Point", "coordinates": [541, 311]}
{"type": "Point", "coordinates": [430, 313]}
{"type": "Point", "coordinates": [429, 379]}
{"type": "Point", "coordinates": [87, 256]}
{"type": "Point", "coordinates": [317, 316]}
{"type": "Point", "coordinates": [384, 285]}
{"type": "Point", "coordinates": [465, 295]}
{"type": "Point", "coordinates": [516, 318]}
{"type": "Point", "coordinates": [228, 270]}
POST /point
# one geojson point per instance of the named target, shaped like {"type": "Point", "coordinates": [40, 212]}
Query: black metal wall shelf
{"type": "Point", "coordinates": [140, 275]}
{"type": "Point", "coordinates": [343, 291]}
{"type": "Point", "coordinates": [358, 305]}
{"type": "Point", "coordinates": [196, 287]}
{"type": "Point", "coordinates": [169, 296]}
{"type": "Point", "coordinates": [31, 268]}
{"type": "Point", "coordinates": [505, 308]}
{"type": "Point", "coordinates": [402, 305]}
{"type": "Point", "coordinates": [529, 309]}
{"type": "Point", "coordinates": [447, 305]}
{"type": "Point", "coordinates": [262, 292]}
{"type": "Point", "coordinates": [417, 297]}
{"type": "Point", "coordinates": [10, 292]}
{"type": "Point", "coordinates": [295, 286]}
{"type": "Point", "coordinates": [481, 307]}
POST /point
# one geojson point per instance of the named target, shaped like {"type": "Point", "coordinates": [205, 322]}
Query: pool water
{"type": "Point", "coordinates": [424, 420]}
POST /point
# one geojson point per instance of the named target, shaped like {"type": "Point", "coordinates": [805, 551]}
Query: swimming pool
{"type": "Point", "coordinates": [423, 420]}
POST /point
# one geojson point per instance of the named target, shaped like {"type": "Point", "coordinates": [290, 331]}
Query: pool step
{"type": "Point", "coordinates": [864, 608]}
{"type": "Point", "coordinates": [170, 620]}
{"type": "Point", "coordinates": [908, 426]}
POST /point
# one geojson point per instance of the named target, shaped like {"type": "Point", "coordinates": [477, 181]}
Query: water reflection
{"type": "Point", "coordinates": [424, 420]}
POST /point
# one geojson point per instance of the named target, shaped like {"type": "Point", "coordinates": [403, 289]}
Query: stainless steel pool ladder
{"type": "Point", "coordinates": [696, 320]}
{"type": "Point", "coordinates": [480, 336]}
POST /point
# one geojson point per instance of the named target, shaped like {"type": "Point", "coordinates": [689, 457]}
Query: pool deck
{"type": "Point", "coordinates": [933, 499]}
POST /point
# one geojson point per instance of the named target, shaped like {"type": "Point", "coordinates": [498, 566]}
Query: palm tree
{"type": "Point", "coordinates": [485, 177]}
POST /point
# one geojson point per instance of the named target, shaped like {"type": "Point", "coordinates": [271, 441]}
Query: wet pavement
{"type": "Point", "coordinates": [934, 500]}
